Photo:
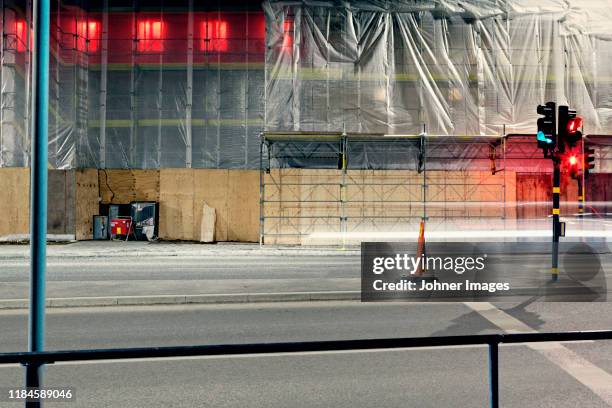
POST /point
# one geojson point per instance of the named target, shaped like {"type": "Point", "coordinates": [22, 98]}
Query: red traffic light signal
{"type": "Point", "coordinates": [571, 162]}
{"type": "Point", "coordinates": [569, 128]}
{"type": "Point", "coordinates": [574, 124]}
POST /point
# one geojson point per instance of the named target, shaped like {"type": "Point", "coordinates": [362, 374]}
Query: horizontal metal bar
{"type": "Point", "coordinates": [303, 201]}
{"type": "Point", "coordinates": [297, 234]}
{"type": "Point", "coordinates": [301, 184]}
{"type": "Point", "coordinates": [49, 357]}
{"type": "Point", "coordinates": [383, 201]}
{"type": "Point", "coordinates": [379, 217]}
{"type": "Point", "coordinates": [280, 217]}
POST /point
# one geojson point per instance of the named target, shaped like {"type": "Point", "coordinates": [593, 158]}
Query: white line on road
{"type": "Point", "coordinates": [597, 380]}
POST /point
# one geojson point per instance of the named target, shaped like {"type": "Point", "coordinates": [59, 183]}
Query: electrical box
{"type": "Point", "coordinates": [145, 215]}
{"type": "Point", "coordinates": [114, 212]}
{"type": "Point", "coordinates": [100, 227]}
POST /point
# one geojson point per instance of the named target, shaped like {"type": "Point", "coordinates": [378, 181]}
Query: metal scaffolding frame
{"type": "Point", "coordinates": [289, 206]}
{"type": "Point", "coordinates": [15, 86]}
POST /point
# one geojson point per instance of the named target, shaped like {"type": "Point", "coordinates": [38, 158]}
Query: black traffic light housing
{"type": "Point", "coordinates": [589, 160]}
{"type": "Point", "coordinates": [569, 128]}
{"type": "Point", "coordinates": [547, 135]}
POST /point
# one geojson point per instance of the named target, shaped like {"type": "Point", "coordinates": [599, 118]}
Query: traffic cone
{"type": "Point", "coordinates": [421, 250]}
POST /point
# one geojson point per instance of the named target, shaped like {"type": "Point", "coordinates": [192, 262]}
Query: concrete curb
{"type": "Point", "coordinates": [228, 298]}
{"type": "Point", "coordinates": [187, 299]}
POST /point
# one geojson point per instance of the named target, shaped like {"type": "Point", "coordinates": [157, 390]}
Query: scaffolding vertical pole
{"type": "Point", "coordinates": [212, 35]}
{"type": "Point", "coordinates": [423, 147]}
{"type": "Point", "coordinates": [327, 39]}
{"type": "Point", "coordinates": [343, 190]}
{"type": "Point", "coordinates": [76, 98]}
{"type": "Point", "coordinates": [261, 190]}
{"type": "Point", "coordinates": [133, 116]}
{"type": "Point", "coordinates": [189, 107]}
{"type": "Point", "coordinates": [160, 94]}
{"type": "Point", "coordinates": [56, 85]}
{"type": "Point", "coordinates": [103, 83]}
{"type": "Point", "coordinates": [38, 194]}
{"type": "Point", "coordinates": [246, 97]}
{"type": "Point", "coordinates": [295, 60]}
{"type": "Point", "coordinates": [28, 70]}
{"type": "Point", "coordinates": [3, 17]}
{"type": "Point", "coordinates": [505, 216]}
{"type": "Point", "coordinates": [582, 181]}
{"type": "Point", "coordinates": [83, 97]}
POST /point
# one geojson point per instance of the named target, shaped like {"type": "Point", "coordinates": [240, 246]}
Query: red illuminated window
{"type": "Point", "coordinates": [88, 30]}
{"type": "Point", "coordinates": [150, 35]}
{"type": "Point", "coordinates": [288, 34]}
{"type": "Point", "coordinates": [21, 37]}
{"type": "Point", "coordinates": [213, 34]}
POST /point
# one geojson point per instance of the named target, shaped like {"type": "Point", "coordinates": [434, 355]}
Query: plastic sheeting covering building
{"type": "Point", "coordinates": [457, 67]}
{"type": "Point", "coordinates": [140, 86]}
{"type": "Point", "coordinates": [194, 86]}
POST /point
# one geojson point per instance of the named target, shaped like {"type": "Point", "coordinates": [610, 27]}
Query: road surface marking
{"type": "Point", "coordinates": [597, 380]}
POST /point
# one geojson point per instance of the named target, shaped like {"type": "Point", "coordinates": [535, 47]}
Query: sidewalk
{"type": "Point", "coordinates": [88, 249]}
{"type": "Point", "coordinates": [97, 273]}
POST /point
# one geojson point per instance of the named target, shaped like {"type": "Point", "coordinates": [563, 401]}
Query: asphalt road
{"type": "Point", "coordinates": [448, 377]}
{"type": "Point", "coordinates": [218, 273]}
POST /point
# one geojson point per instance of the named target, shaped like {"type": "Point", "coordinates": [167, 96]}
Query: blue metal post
{"type": "Point", "coordinates": [38, 188]}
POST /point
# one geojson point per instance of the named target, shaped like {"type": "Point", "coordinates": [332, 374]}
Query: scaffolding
{"type": "Point", "coordinates": [337, 185]}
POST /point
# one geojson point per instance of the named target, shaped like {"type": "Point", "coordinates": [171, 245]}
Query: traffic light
{"type": "Point", "coordinates": [572, 163]}
{"type": "Point", "coordinates": [589, 161]}
{"type": "Point", "coordinates": [569, 128]}
{"type": "Point", "coordinates": [546, 136]}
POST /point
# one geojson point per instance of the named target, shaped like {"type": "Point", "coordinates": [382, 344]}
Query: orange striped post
{"type": "Point", "coordinates": [421, 249]}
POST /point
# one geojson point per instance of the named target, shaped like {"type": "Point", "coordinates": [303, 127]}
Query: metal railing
{"type": "Point", "coordinates": [34, 360]}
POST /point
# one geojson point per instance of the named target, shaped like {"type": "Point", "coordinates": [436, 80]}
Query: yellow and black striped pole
{"type": "Point", "coordinates": [556, 192]}
{"type": "Point", "coordinates": [580, 199]}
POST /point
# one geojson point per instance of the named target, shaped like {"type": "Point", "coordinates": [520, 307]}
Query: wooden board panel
{"type": "Point", "coordinates": [534, 195]}
{"type": "Point", "coordinates": [116, 186]}
{"type": "Point", "coordinates": [87, 199]}
{"type": "Point", "coordinates": [61, 202]}
{"type": "Point", "coordinates": [599, 189]}
{"type": "Point", "coordinates": [210, 186]}
{"type": "Point", "coordinates": [176, 197]}
{"type": "Point", "coordinates": [14, 200]}
{"type": "Point", "coordinates": [146, 185]}
{"type": "Point", "coordinates": [123, 186]}
{"type": "Point", "coordinates": [243, 206]}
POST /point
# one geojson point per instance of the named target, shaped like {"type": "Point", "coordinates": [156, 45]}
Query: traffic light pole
{"type": "Point", "coordinates": [556, 225]}
{"type": "Point", "coordinates": [580, 198]}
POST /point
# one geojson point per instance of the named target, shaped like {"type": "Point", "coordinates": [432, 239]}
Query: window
{"type": "Point", "coordinates": [88, 30]}
{"type": "Point", "coordinates": [288, 34]}
{"type": "Point", "coordinates": [150, 35]}
{"type": "Point", "coordinates": [213, 34]}
{"type": "Point", "coordinates": [21, 37]}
